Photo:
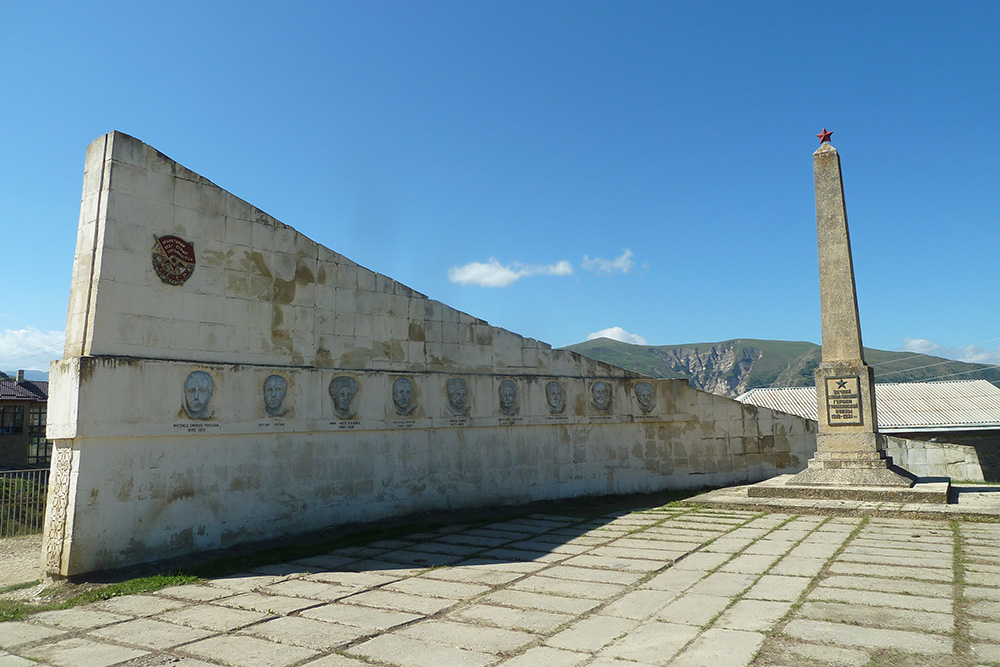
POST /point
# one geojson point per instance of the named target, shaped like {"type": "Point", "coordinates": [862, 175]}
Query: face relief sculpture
{"type": "Point", "coordinates": [602, 395]}
{"type": "Point", "coordinates": [457, 391]}
{"type": "Point", "coordinates": [508, 398]}
{"type": "Point", "coordinates": [554, 397]}
{"type": "Point", "coordinates": [343, 390]}
{"type": "Point", "coordinates": [198, 388]}
{"type": "Point", "coordinates": [645, 395]}
{"type": "Point", "coordinates": [402, 396]}
{"type": "Point", "coordinates": [275, 389]}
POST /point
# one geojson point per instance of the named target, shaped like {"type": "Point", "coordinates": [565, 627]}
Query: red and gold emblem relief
{"type": "Point", "coordinates": [173, 259]}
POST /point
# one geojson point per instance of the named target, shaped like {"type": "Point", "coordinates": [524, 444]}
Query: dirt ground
{"type": "Point", "coordinates": [20, 559]}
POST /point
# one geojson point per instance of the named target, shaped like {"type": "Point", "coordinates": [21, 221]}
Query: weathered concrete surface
{"type": "Point", "coordinates": [744, 588]}
{"type": "Point", "coordinates": [385, 402]}
{"type": "Point", "coordinates": [849, 449]}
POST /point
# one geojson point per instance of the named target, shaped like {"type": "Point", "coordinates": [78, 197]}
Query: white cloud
{"type": "Point", "coordinates": [972, 354]}
{"type": "Point", "coordinates": [623, 263]}
{"type": "Point", "coordinates": [920, 345]}
{"type": "Point", "coordinates": [29, 348]}
{"type": "Point", "coordinates": [619, 334]}
{"type": "Point", "coordinates": [495, 274]}
{"type": "Point", "coordinates": [977, 355]}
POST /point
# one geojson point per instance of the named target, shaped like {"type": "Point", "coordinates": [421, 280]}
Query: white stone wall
{"type": "Point", "coordinates": [136, 478]}
{"type": "Point", "coordinates": [935, 459]}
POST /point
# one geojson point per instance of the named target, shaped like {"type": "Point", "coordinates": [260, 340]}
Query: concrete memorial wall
{"type": "Point", "coordinates": [226, 379]}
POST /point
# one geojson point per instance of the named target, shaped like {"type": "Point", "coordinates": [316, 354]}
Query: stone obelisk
{"type": "Point", "coordinates": [849, 449]}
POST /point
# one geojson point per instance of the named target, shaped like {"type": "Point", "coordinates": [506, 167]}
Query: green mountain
{"type": "Point", "coordinates": [731, 367]}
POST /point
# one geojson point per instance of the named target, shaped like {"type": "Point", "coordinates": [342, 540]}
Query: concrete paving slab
{"type": "Point", "coordinates": [394, 649]}
{"type": "Point", "coordinates": [592, 634]}
{"type": "Point", "coordinates": [693, 609]}
{"type": "Point", "coordinates": [415, 604]}
{"type": "Point", "coordinates": [798, 567]}
{"type": "Point", "coordinates": [753, 615]}
{"type": "Point", "coordinates": [368, 619]}
{"type": "Point", "coordinates": [568, 588]}
{"type": "Point", "coordinates": [778, 587]}
{"type": "Point", "coordinates": [468, 636]}
{"type": "Point", "coordinates": [150, 633]}
{"type": "Point", "coordinates": [195, 592]}
{"type": "Point", "coordinates": [639, 604]}
{"type": "Point", "coordinates": [212, 617]}
{"type": "Point", "coordinates": [306, 632]}
{"type": "Point", "coordinates": [17, 632]}
{"type": "Point", "coordinates": [654, 643]}
{"type": "Point", "coordinates": [242, 650]}
{"type": "Point", "coordinates": [720, 648]}
{"type": "Point", "coordinates": [540, 601]}
{"type": "Point", "coordinates": [474, 575]}
{"type": "Point", "coordinates": [138, 605]}
{"type": "Point", "coordinates": [81, 652]}
{"type": "Point", "coordinates": [8, 660]}
{"type": "Point", "coordinates": [436, 588]}
{"type": "Point", "coordinates": [879, 599]}
{"type": "Point", "coordinates": [878, 617]}
{"type": "Point", "coordinates": [78, 619]}
{"type": "Point", "coordinates": [529, 620]}
{"type": "Point", "coordinates": [546, 656]}
{"type": "Point", "coordinates": [724, 584]}
{"type": "Point", "coordinates": [870, 638]}
{"type": "Point", "coordinates": [901, 586]}
{"type": "Point", "coordinates": [268, 604]}
{"type": "Point", "coordinates": [336, 660]}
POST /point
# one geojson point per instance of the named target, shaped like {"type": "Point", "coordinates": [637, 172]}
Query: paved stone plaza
{"type": "Point", "coordinates": [680, 586]}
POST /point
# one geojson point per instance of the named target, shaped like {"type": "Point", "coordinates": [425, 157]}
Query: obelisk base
{"type": "Point", "coordinates": [852, 459]}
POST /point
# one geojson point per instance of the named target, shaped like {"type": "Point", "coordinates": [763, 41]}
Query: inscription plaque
{"type": "Point", "coordinates": [843, 401]}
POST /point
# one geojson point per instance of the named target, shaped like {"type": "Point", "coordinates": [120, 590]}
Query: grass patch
{"type": "Point", "coordinates": [16, 610]}
{"type": "Point", "coordinates": [18, 587]}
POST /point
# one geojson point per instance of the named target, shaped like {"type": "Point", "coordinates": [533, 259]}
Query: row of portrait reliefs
{"type": "Point", "coordinates": [199, 387]}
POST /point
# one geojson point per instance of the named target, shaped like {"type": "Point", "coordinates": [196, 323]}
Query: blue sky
{"type": "Point", "coordinates": [555, 168]}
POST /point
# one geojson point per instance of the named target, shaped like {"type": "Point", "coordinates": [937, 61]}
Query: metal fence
{"type": "Point", "coordinates": [22, 501]}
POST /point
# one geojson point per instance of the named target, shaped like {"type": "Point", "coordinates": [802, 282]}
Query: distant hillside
{"type": "Point", "coordinates": [34, 376]}
{"type": "Point", "coordinates": [731, 367]}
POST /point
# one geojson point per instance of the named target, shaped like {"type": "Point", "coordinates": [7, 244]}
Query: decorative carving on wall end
{"type": "Point", "coordinates": [58, 507]}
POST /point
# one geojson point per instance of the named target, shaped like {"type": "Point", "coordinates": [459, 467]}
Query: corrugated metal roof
{"type": "Point", "coordinates": [903, 406]}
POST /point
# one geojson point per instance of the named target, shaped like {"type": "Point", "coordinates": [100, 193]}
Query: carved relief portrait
{"type": "Point", "coordinates": [601, 394]}
{"type": "Point", "coordinates": [402, 397]}
{"type": "Point", "coordinates": [458, 392]}
{"type": "Point", "coordinates": [198, 388]}
{"type": "Point", "coordinates": [508, 398]}
{"type": "Point", "coordinates": [645, 394]}
{"type": "Point", "coordinates": [554, 397]}
{"type": "Point", "coordinates": [275, 390]}
{"type": "Point", "coordinates": [343, 389]}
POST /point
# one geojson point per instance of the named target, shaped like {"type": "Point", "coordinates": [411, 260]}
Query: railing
{"type": "Point", "coordinates": [22, 501]}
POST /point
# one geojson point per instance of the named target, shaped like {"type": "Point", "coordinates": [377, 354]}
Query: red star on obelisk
{"type": "Point", "coordinates": [824, 136]}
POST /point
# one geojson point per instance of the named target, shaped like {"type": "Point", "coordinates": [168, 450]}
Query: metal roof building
{"type": "Point", "coordinates": [908, 407]}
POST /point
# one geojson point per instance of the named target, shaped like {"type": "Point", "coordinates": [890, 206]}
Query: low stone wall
{"type": "Point", "coordinates": [149, 482]}
{"type": "Point", "coordinates": [935, 459]}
